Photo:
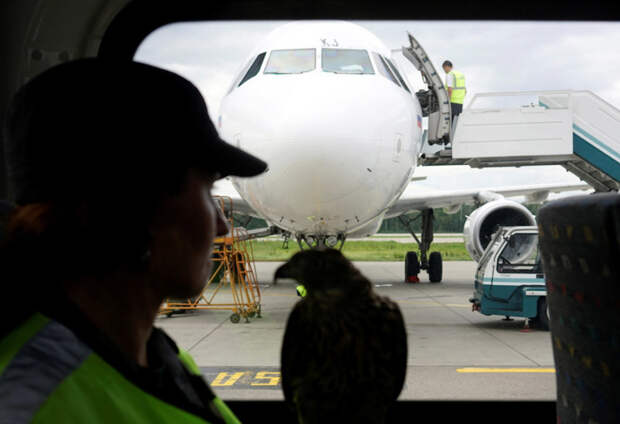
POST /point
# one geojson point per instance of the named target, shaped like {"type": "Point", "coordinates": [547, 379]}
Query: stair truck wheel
{"type": "Point", "coordinates": [412, 267]}
{"type": "Point", "coordinates": [435, 267]}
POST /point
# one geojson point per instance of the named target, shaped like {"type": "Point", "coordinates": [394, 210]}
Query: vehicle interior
{"type": "Point", "coordinates": [39, 34]}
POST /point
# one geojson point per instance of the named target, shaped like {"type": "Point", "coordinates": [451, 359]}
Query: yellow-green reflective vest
{"type": "Point", "coordinates": [301, 290]}
{"type": "Point", "coordinates": [458, 91]}
{"type": "Point", "coordinates": [48, 375]}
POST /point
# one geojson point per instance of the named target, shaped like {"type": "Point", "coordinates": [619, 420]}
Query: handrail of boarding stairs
{"type": "Point", "coordinates": [568, 93]}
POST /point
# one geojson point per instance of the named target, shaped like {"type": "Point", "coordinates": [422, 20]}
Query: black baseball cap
{"type": "Point", "coordinates": [95, 127]}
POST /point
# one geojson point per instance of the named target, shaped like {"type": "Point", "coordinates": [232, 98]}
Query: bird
{"type": "Point", "coordinates": [344, 351]}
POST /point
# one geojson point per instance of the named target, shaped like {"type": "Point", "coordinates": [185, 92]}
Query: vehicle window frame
{"type": "Point", "coordinates": [290, 73]}
{"type": "Point", "coordinates": [372, 68]}
{"type": "Point", "coordinates": [121, 46]}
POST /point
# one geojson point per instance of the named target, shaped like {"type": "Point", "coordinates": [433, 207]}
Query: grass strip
{"type": "Point", "coordinates": [386, 251]}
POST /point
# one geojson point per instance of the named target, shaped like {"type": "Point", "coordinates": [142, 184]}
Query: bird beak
{"type": "Point", "coordinates": [281, 272]}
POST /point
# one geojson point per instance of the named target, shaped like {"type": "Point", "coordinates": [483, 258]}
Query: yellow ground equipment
{"type": "Point", "coordinates": [232, 285]}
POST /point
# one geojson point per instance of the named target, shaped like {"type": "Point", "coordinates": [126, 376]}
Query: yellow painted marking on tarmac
{"type": "Point", "coordinates": [458, 305]}
{"type": "Point", "coordinates": [272, 377]}
{"type": "Point", "coordinates": [226, 379]}
{"type": "Point", "coordinates": [505, 370]}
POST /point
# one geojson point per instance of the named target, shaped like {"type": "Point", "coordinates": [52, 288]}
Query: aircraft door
{"type": "Point", "coordinates": [434, 101]}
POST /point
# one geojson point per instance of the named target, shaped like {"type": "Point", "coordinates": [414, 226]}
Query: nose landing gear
{"type": "Point", "coordinates": [321, 241]}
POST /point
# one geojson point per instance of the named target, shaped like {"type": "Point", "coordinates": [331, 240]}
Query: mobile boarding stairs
{"type": "Point", "coordinates": [575, 129]}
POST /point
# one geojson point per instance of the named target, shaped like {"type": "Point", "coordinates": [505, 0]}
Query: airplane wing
{"type": "Point", "coordinates": [418, 198]}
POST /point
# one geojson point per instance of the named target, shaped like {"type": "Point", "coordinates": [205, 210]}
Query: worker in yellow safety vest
{"type": "Point", "coordinates": [455, 84]}
{"type": "Point", "coordinates": [110, 166]}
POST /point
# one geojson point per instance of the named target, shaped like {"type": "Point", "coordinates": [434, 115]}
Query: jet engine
{"type": "Point", "coordinates": [484, 222]}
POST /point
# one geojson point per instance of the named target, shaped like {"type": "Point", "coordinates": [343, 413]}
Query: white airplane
{"type": "Point", "coordinates": [324, 105]}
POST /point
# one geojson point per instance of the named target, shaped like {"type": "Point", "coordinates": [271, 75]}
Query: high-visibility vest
{"type": "Point", "coordinates": [458, 91]}
{"type": "Point", "coordinates": [301, 290]}
{"type": "Point", "coordinates": [48, 375]}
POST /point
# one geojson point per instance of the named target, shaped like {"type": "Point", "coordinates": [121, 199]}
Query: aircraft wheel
{"type": "Point", "coordinates": [412, 267]}
{"type": "Point", "coordinates": [235, 318]}
{"type": "Point", "coordinates": [543, 314]}
{"type": "Point", "coordinates": [435, 267]}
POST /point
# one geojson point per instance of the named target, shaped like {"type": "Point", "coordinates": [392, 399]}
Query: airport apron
{"type": "Point", "coordinates": [458, 91]}
{"type": "Point", "coordinates": [48, 375]}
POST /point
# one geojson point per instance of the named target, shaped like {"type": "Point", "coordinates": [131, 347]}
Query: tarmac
{"type": "Point", "coordinates": [454, 353]}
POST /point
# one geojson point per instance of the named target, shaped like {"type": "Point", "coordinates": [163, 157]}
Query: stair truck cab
{"type": "Point", "coordinates": [509, 279]}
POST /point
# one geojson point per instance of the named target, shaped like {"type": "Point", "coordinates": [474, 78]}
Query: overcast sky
{"type": "Point", "coordinates": [494, 56]}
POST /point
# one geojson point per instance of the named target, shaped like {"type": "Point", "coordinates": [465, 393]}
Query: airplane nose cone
{"type": "Point", "coordinates": [328, 170]}
{"type": "Point", "coordinates": [323, 143]}
{"type": "Point", "coordinates": [330, 147]}
{"type": "Point", "coordinates": [321, 180]}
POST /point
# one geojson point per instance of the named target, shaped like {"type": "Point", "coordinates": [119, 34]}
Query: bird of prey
{"type": "Point", "coordinates": [344, 354]}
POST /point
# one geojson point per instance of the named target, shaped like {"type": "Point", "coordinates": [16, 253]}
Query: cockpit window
{"type": "Point", "coordinates": [291, 61]}
{"type": "Point", "coordinates": [395, 70]}
{"type": "Point", "coordinates": [384, 68]}
{"type": "Point", "coordinates": [346, 61]}
{"type": "Point", "coordinates": [253, 70]}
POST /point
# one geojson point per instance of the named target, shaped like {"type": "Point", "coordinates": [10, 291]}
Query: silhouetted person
{"type": "Point", "coordinates": [110, 166]}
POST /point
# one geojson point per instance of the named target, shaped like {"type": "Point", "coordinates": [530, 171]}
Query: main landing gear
{"type": "Point", "coordinates": [432, 263]}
